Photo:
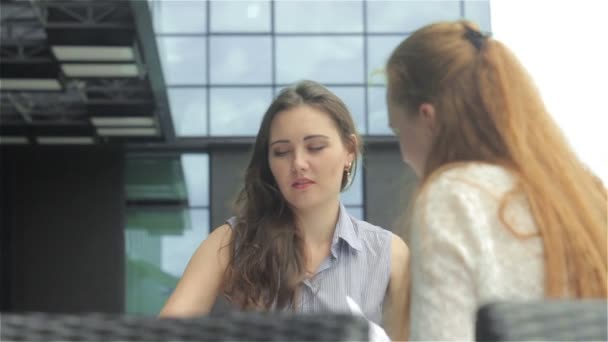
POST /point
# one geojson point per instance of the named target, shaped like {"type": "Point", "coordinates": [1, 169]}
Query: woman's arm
{"type": "Point", "coordinates": [396, 313]}
{"type": "Point", "coordinates": [202, 280]}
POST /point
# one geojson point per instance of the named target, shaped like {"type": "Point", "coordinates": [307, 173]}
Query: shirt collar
{"type": "Point", "coordinates": [346, 231]}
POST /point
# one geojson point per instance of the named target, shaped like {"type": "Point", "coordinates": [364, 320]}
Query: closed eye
{"type": "Point", "coordinates": [316, 148]}
{"type": "Point", "coordinates": [280, 153]}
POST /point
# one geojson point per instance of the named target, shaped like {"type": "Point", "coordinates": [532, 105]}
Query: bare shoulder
{"type": "Point", "coordinates": [221, 234]}
{"type": "Point", "coordinates": [396, 314]}
{"type": "Point", "coordinates": [219, 241]}
{"type": "Point", "coordinates": [400, 264]}
{"type": "Point", "coordinates": [400, 254]}
{"type": "Point", "coordinates": [202, 280]}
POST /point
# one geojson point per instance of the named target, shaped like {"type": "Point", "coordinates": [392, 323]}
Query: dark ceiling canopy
{"type": "Point", "coordinates": [83, 70]}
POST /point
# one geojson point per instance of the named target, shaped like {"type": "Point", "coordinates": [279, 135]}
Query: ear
{"type": "Point", "coordinates": [352, 147]}
{"type": "Point", "coordinates": [428, 115]}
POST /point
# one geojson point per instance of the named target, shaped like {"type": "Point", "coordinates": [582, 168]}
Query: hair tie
{"type": "Point", "coordinates": [475, 37]}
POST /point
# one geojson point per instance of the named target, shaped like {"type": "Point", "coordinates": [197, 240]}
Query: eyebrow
{"type": "Point", "coordinates": [308, 137]}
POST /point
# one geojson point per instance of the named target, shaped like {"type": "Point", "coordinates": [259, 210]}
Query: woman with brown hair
{"type": "Point", "coordinates": [505, 210]}
{"type": "Point", "coordinates": [292, 245]}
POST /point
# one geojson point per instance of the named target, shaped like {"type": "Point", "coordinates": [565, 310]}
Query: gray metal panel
{"type": "Point", "coordinates": [388, 186]}
{"type": "Point", "coordinates": [227, 173]}
{"type": "Point", "coordinates": [68, 229]}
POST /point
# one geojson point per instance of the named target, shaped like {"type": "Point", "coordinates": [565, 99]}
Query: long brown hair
{"type": "Point", "coordinates": [489, 110]}
{"type": "Point", "coordinates": [266, 251]}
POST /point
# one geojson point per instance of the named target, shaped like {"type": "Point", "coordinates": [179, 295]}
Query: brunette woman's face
{"type": "Point", "coordinates": [307, 157]}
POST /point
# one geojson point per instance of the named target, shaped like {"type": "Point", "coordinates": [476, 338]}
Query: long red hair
{"type": "Point", "coordinates": [489, 110]}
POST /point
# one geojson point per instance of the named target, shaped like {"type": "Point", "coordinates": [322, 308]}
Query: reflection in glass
{"type": "Point", "coordinates": [238, 111]}
{"type": "Point", "coordinates": [240, 16]}
{"type": "Point", "coordinates": [378, 52]}
{"type": "Point", "coordinates": [158, 245]}
{"type": "Point", "coordinates": [407, 16]}
{"type": "Point", "coordinates": [196, 175]}
{"type": "Point", "coordinates": [153, 179]}
{"type": "Point", "coordinates": [183, 59]}
{"type": "Point", "coordinates": [240, 60]}
{"type": "Point", "coordinates": [176, 250]}
{"type": "Point", "coordinates": [378, 115]}
{"type": "Point", "coordinates": [188, 111]}
{"type": "Point", "coordinates": [354, 99]}
{"type": "Point", "coordinates": [179, 16]}
{"type": "Point", "coordinates": [323, 59]}
{"type": "Point", "coordinates": [319, 16]}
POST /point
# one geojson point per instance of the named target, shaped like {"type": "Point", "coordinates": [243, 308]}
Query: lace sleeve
{"type": "Point", "coordinates": [444, 253]}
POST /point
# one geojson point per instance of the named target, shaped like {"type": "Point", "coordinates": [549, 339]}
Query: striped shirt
{"type": "Point", "coordinates": [358, 266]}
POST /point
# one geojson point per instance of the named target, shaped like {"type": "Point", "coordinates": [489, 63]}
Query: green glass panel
{"type": "Point", "coordinates": [158, 178]}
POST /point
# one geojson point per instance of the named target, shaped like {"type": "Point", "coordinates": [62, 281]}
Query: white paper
{"type": "Point", "coordinates": [376, 333]}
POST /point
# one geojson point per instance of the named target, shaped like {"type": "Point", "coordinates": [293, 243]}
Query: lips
{"type": "Point", "coordinates": [302, 183]}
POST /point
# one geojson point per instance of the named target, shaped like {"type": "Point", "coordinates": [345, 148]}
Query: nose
{"type": "Point", "coordinates": [299, 162]}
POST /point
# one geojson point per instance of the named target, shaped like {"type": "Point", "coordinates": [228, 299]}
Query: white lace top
{"type": "Point", "coordinates": [462, 254]}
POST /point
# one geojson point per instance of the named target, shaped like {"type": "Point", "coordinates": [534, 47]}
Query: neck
{"type": "Point", "coordinates": [318, 224]}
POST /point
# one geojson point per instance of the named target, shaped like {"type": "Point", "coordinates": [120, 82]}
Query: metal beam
{"type": "Point", "coordinates": [118, 90]}
{"type": "Point", "coordinates": [23, 106]}
{"type": "Point", "coordinates": [85, 12]}
{"type": "Point", "coordinates": [28, 29]}
{"type": "Point", "coordinates": [34, 51]}
{"type": "Point", "coordinates": [149, 50]}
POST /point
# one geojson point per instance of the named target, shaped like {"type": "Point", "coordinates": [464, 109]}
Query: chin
{"type": "Point", "coordinates": [304, 203]}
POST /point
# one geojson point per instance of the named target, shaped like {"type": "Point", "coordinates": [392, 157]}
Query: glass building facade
{"type": "Point", "coordinates": [223, 62]}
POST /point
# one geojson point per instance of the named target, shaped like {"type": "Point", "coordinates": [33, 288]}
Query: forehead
{"type": "Point", "coordinates": [301, 121]}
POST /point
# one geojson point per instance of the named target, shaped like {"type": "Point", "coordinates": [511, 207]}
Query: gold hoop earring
{"type": "Point", "coordinates": [347, 170]}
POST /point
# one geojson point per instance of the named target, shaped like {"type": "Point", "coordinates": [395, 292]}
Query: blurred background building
{"type": "Point", "coordinates": [125, 127]}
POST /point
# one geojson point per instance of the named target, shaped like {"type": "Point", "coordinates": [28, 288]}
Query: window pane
{"type": "Point", "coordinates": [240, 60]}
{"type": "Point", "coordinates": [407, 16]}
{"type": "Point", "coordinates": [177, 249]}
{"type": "Point", "coordinates": [354, 194]}
{"type": "Point", "coordinates": [240, 16]}
{"type": "Point", "coordinates": [354, 98]}
{"type": "Point", "coordinates": [479, 12]}
{"type": "Point", "coordinates": [179, 16]}
{"type": "Point", "coordinates": [238, 111]}
{"type": "Point", "coordinates": [155, 179]}
{"type": "Point", "coordinates": [356, 212]}
{"type": "Point", "coordinates": [183, 59]}
{"type": "Point", "coordinates": [378, 52]}
{"type": "Point", "coordinates": [188, 111]}
{"type": "Point", "coordinates": [323, 59]}
{"type": "Point", "coordinates": [319, 16]}
{"type": "Point", "coordinates": [378, 116]}
{"type": "Point", "coordinates": [159, 244]}
{"type": "Point", "coordinates": [196, 174]}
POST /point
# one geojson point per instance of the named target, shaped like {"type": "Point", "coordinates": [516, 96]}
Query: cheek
{"type": "Point", "coordinates": [406, 142]}
{"type": "Point", "coordinates": [413, 144]}
{"type": "Point", "coordinates": [278, 171]}
{"type": "Point", "coordinates": [332, 167]}
{"type": "Point", "coordinates": [337, 170]}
